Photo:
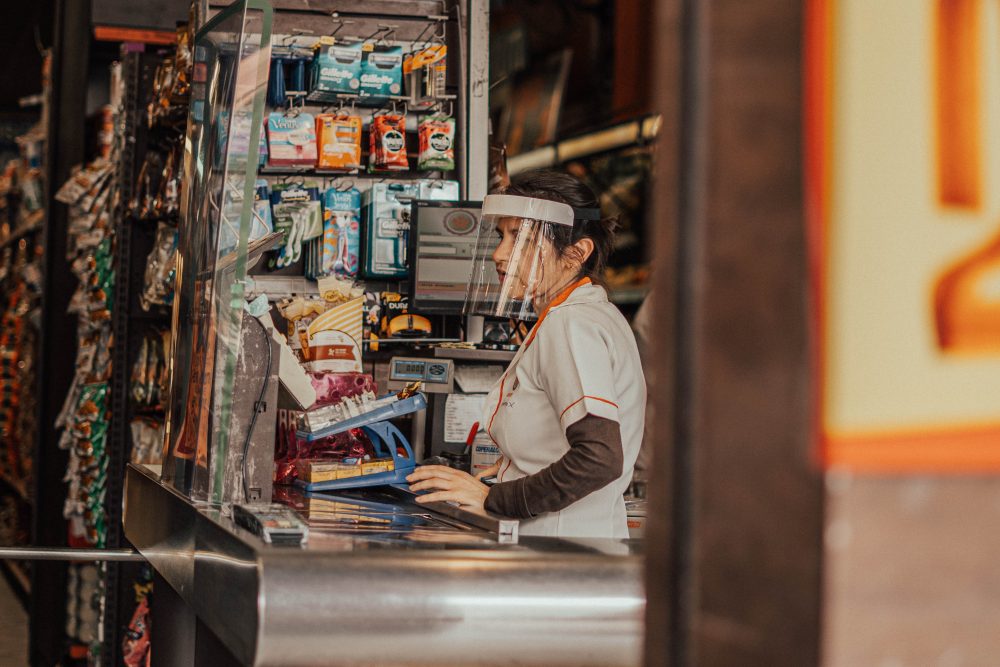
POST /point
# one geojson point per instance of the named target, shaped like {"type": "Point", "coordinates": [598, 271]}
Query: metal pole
{"type": "Point", "coordinates": [53, 553]}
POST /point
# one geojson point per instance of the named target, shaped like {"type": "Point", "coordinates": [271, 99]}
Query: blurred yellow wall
{"type": "Point", "coordinates": [889, 389]}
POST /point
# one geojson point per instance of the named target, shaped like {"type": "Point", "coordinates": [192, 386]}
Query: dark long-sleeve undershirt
{"type": "Point", "coordinates": [594, 460]}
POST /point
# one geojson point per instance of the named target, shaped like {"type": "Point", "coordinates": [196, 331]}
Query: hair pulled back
{"type": "Point", "coordinates": [566, 189]}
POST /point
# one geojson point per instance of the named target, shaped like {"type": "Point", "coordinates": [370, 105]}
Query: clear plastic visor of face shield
{"type": "Point", "coordinates": [516, 270]}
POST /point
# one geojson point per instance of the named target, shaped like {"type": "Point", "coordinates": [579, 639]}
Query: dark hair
{"type": "Point", "coordinates": [566, 189]}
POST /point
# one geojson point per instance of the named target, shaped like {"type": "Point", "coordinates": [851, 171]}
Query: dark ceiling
{"type": "Point", "coordinates": [21, 71]}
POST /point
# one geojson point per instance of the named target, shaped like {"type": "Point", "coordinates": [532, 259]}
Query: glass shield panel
{"type": "Point", "coordinates": [229, 80]}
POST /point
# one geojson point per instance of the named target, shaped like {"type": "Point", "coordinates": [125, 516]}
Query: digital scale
{"type": "Point", "coordinates": [437, 375]}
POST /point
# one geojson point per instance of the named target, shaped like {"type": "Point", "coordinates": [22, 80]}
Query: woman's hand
{"type": "Point", "coordinates": [491, 471]}
{"type": "Point", "coordinates": [448, 485]}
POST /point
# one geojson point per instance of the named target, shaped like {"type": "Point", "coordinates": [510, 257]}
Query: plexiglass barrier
{"type": "Point", "coordinates": [231, 58]}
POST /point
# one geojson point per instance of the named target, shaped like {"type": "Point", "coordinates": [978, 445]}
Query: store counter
{"type": "Point", "coordinates": [382, 581]}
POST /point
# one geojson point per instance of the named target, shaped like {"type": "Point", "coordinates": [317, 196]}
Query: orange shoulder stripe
{"type": "Point", "coordinates": [596, 398]}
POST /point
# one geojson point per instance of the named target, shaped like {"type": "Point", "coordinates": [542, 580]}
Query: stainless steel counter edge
{"type": "Point", "coordinates": [413, 606]}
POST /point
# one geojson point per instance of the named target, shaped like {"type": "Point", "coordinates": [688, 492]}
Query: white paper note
{"type": "Point", "coordinates": [461, 411]}
{"type": "Point", "coordinates": [476, 378]}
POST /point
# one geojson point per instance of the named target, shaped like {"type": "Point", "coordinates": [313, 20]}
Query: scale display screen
{"type": "Point", "coordinates": [408, 370]}
{"type": "Point", "coordinates": [421, 370]}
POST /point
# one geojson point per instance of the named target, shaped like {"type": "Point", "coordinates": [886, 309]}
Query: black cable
{"type": "Point", "coordinates": [256, 409]}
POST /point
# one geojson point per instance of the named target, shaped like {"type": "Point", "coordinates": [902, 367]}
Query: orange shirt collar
{"type": "Point", "coordinates": [555, 302]}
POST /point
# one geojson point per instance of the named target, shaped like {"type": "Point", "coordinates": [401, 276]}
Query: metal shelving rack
{"type": "Point", "coordinates": [467, 28]}
{"type": "Point", "coordinates": [134, 240]}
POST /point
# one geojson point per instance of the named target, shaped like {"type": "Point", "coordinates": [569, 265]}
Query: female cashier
{"type": "Point", "coordinates": [567, 415]}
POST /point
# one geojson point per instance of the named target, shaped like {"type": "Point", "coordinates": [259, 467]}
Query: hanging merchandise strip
{"type": "Point", "coordinates": [92, 196]}
{"type": "Point", "coordinates": [84, 418]}
{"type": "Point", "coordinates": [395, 66]}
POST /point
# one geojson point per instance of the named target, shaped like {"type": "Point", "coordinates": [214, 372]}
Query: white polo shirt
{"type": "Point", "coordinates": [580, 358]}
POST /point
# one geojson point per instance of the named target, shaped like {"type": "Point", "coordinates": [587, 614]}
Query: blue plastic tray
{"type": "Point", "coordinates": [396, 409]}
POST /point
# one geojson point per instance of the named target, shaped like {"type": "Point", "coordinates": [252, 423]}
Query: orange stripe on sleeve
{"type": "Point", "coordinates": [596, 398]}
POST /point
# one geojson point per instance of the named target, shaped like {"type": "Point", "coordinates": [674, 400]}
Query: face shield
{"type": "Point", "coordinates": [517, 270]}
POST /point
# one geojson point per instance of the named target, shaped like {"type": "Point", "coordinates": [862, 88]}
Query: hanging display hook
{"type": "Point", "coordinates": [381, 35]}
{"type": "Point", "coordinates": [289, 39]}
{"type": "Point", "coordinates": [341, 23]}
{"type": "Point", "coordinates": [440, 37]}
{"type": "Point", "coordinates": [416, 45]}
{"type": "Point", "coordinates": [378, 31]}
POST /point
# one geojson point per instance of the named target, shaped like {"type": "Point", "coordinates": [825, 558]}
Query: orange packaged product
{"type": "Point", "coordinates": [388, 143]}
{"type": "Point", "coordinates": [339, 139]}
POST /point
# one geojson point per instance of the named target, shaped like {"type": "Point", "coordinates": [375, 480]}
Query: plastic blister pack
{"type": "Point", "coordinates": [339, 139]}
{"type": "Point", "coordinates": [298, 215]}
{"type": "Point", "coordinates": [437, 144]}
{"type": "Point", "coordinates": [387, 143]}
{"type": "Point", "coordinates": [161, 266]}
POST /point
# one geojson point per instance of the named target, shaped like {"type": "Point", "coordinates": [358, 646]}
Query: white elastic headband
{"type": "Point", "coordinates": [514, 206]}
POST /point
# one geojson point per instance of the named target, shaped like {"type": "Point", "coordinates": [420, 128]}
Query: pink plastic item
{"type": "Point", "coordinates": [332, 388]}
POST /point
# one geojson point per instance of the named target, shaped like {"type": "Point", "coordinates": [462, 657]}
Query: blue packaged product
{"type": "Point", "coordinates": [382, 72]}
{"type": "Point", "coordinates": [262, 222]}
{"type": "Point", "coordinates": [221, 138]}
{"type": "Point", "coordinates": [336, 70]}
{"type": "Point", "coordinates": [387, 229]}
{"type": "Point", "coordinates": [341, 232]}
{"type": "Point", "coordinates": [276, 95]}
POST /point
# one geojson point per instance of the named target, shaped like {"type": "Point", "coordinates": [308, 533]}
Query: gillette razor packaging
{"type": "Point", "coordinates": [341, 232]}
{"type": "Point", "coordinates": [382, 73]}
{"type": "Point", "coordinates": [387, 229]}
{"type": "Point", "coordinates": [336, 70]}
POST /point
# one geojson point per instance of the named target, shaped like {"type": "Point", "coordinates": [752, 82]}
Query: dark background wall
{"type": "Point", "coordinates": [152, 14]}
{"type": "Point", "coordinates": [22, 62]}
